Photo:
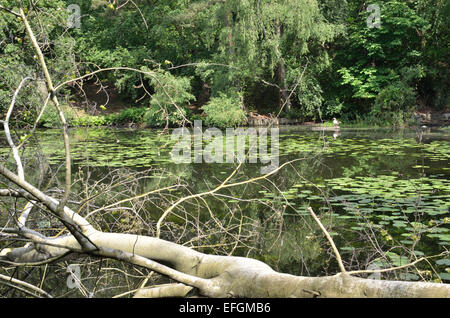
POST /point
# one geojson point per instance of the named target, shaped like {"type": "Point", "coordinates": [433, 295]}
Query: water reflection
{"type": "Point", "coordinates": [377, 174]}
{"type": "Point", "coordinates": [336, 134]}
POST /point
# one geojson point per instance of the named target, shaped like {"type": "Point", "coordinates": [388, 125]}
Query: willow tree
{"type": "Point", "coordinates": [271, 41]}
{"type": "Point", "coordinates": [295, 34]}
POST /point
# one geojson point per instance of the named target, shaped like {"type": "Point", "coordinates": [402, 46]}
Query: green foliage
{"type": "Point", "coordinates": [365, 120]}
{"type": "Point", "coordinates": [310, 98]}
{"type": "Point", "coordinates": [129, 115]}
{"type": "Point", "coordinates": [377, 54]}
{"type": "Point", "coordinates": [18, 57]}
{"type": "Point", "coordinates": [333, 107]}
{"type": "Point", "coordinates": [382, 66]}
{"type": "Point", "coordinates": [133, 115]}
{"type": "Point", "coordinates": [50, 117]}
{"type": "Point", "coordinates": [156, 116]}
{"type": "Point", "coordinates": [169, 100]}
{"type": "Point", "coordinates": [170, 92]}
{"type": "Point", "coordinates": [295, 113]}
{"type": "Point", "coordinates": [435, 86]}
{"type": "Point", "coordinates": [395, 102]}
{"type": "Point", "coordinates": [224, 111]}
{"type": "Point", "coordinates": [253, 48]}
{"type": "Point", "coordinates": [89, 121]}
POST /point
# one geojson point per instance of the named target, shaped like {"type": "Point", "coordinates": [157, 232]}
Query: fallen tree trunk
{"type": "Point", "coordinates": [224, 276]}
{"type": "Point", "coordinates": [212, 275]}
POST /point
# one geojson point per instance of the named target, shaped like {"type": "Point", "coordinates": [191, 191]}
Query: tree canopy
{"type": "Point", "coordinates": [252, 52]}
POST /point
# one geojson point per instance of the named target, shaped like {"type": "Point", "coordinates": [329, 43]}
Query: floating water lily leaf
{"type": "Point", "coordinates": [444, 276]}
{"type": "Point", "coordinates": [408, 276]}
{"type": "Point", "coordinates": [444, 261]}
{"type": "Point", "coordinates": [396, 259]}
{"type": "Point", "coordinates": [442, 237]}
{"type": "Point", "coordinates": [399, 224]}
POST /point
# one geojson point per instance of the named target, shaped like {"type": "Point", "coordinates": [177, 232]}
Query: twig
{"type": "Point", "coordinates": [142, 16]}
{"type": "Point", "coordinates": [15, 151]}
{"type": "Point", "coordinates": [130, 199]}
{"type": "Point", "coordinates": [25, 284]}
{"type": "Point", "coordinates": [37, 120]}
{"type": "Point", "coordinates": [10, 11]}
{"type": "Point", "coordinates": [330, 239]}
{"type": "Point", "coordinates": [223, 185]}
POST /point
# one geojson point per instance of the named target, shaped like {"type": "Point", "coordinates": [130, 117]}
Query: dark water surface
{"type": "Point", "coordinates": [376, 189]}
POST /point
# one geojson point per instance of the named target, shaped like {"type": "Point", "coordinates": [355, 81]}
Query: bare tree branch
{"type": "Point", "coordinates": [52, 92]}
{"type": "Point", "coordinates": [10, 11]}
{"type": "Point", "coordinates": [24, 284]}
{"type": "Point", "coordinates": [330, 239]}
{"type": "Point", "coordinates": [15, 151]}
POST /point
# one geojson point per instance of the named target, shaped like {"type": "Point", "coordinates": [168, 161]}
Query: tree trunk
{"type": "Point", "coordinates": [228, 21]}
{"type": "Point", "coordinates": [284, 99]}
{"type": "Point", "coordinates": [230, 276]}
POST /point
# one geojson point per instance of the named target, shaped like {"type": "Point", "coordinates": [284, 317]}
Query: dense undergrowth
{"type": "Point", "coordinates": [319, 59]}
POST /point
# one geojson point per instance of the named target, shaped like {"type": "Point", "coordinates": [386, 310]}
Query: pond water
{"type": "Point", "coordinates": [383, 194]}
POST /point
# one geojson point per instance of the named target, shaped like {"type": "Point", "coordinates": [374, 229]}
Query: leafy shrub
{"type": "Point", "coordinates": [310, 99]}
{"type": "Point", "coordinates": [365, 120]}
{"type": "Point", "coordinates": [332, 107]}
{"type": "Point", "coordinates": [395, 103]}
{"type": "Point", "coordinates": [171, 96]}
{"type": "Point", "coordinates": [129, 115]}
{"type": "Point", "coordinates": [170, 89]}
{"type": "Point", "coordinates": [91, 121]}
{"type": "Point", "coordinates": [109, 119]}
{"type": "Point", "coordinates": [396, 97]}
{"type": "Point", "coordinates": [224, 111]}
{"type": "Point", "coordinates": [157, 116]}
{"type": "Point", "coordinates": [294, 113]}
{"type": "Point", "coordinates": [50, 117]}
